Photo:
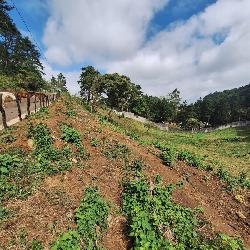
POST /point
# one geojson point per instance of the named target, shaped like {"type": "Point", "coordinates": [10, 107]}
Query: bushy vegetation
{"type": "Point", "coordinates": [156, 222]}
{"type": "Point", "coordinates": [71, 135]}
{"type": "Point", "coordinates": [92, 213]}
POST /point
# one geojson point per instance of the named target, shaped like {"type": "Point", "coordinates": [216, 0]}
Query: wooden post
{"type": "Point", "coordinates": [18, 107]}
{"type": "Point", "coordinates": [43, 100]}
{"type": "Point", "coordinates": [40, 99]}
{"type": "Point", "coordinates": [28, 103]}
{"type": "Point", "coordinates": [35, 103]}
{"type": "Point", "coordinates": [3, 112]}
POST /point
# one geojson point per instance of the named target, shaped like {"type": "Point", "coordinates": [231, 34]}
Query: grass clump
{"type": "Point", "coordinates": [116, 150]}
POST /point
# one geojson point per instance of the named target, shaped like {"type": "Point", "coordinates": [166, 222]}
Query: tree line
{"type": "Point", "coordinates": [20, 65]}
{"type": "Point", "coordinates": [120, 93]}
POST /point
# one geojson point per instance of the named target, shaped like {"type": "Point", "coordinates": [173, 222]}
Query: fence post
{"type": "Point", "coordinates": [40, 100]}
{"type": "Point", "coordinates": [3, 112]}
{"type": "Point", "coordinates": [35, 103]}
{"type": "Point", "coordinates": [28, 103]}
{"type": "Point", "coordinates": [18, 107]}
{"type": "Point", "coordinates": [43, 100]}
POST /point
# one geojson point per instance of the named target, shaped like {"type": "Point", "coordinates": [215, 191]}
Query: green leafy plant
{"type": "Point", "coordinates": [7, 162]}
{"type": "Point", "coordinates": [71, 135]}
{"type": "Point", "coordinates": [70, 112]}
{"type": "Point", "coordinates": [191, 159]}
{"type": "Point", "coordinates": [157, 222]}
{"type": "Point", "coordinates": [3, 213]}
{"type": "Point", "coordinates": [8, 138]}
{"type": "Point", "coordinates": [67, 241]}
{"type": "Point", "coordinates": [168, 156]}
{"type": "Point", "coordinates": [92, 213]}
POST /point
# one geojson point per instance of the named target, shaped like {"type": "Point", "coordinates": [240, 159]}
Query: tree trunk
{"type": "Point", "coordinates": [18, 108]}
{"type": "Point", "coordinates": [3, 112]}
{"type": "Point", "coordinates": [28, 104]}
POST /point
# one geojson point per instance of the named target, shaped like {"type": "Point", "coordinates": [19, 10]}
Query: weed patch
{"type": "Point", "coordinates": [115, 150]}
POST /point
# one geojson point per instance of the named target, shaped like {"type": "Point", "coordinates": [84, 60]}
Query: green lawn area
{"type": "Point", "coordinates": [229, 148]}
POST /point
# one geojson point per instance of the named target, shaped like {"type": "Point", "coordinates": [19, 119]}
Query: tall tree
{"type": "Point", "coordinates": [19, 57]}
{"type": "Point", "coordinates": [86, 82]}
{"type": "Point", "coordinates": [61, 82]}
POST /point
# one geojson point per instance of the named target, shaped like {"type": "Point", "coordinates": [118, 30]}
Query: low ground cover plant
{"type": "Point", "coordinates": [67, 241]}
{"type": "Point", "coordinates": [93, 212]}
{"type": "Point", "coordinates": [71, 135]}
{"type": "Point", "coordinates": [21, 171]}
{"type": "Point", "coordinates": [156, 222]}
{"type": "Point", "coordinates": [91, 219]}
{"type": "Point", "coordinates": [115, 150]}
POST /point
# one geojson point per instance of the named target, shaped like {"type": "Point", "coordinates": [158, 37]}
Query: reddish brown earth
{"type": "Point", "coordinates": [50, 209]}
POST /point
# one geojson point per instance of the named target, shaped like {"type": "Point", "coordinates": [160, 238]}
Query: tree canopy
{"type": "Point", "coordinates": [119, 92]}
{"type": "Point", "coordinates": [19, 57]}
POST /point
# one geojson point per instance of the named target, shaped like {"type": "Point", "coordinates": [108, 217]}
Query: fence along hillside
{"type": "Point", "coordinates": [14, 106]}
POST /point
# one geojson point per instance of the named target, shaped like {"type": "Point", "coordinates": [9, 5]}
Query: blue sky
{"type": "Point", "coordinates": [160, 44]}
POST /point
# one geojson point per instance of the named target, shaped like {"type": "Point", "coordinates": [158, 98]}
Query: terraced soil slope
{"type": "Point", "coordinates": [67, 172]}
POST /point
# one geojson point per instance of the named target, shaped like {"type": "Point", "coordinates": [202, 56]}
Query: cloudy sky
{"type": "Point", "coordinates": [197, 46]}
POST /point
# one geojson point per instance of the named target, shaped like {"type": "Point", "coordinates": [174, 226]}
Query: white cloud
{"type": "Point", "coordinates": [97, 29]}
{"type": "Point", "coordinates": [185, 55]}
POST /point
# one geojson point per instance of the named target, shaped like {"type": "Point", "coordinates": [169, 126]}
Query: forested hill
{"type": "Point", "coordinates": [224, 107]}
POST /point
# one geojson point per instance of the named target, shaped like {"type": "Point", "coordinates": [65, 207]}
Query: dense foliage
{"type": "Point", "coordinates": [19, 58]}
{"type": "Point", "coordinates": [118, 92]}
{"type": "Point", "coordinates": [20, 64]}
{"type": "Point", "coordinates": [224, 107]}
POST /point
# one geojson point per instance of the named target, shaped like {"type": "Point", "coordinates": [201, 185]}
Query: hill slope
{"type": "Point", "coordinates": [66, 170]}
